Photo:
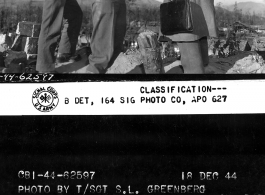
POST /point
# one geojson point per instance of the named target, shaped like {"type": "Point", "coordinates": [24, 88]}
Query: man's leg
{"type": "Point", "coordinates": [73, 16]}
{"type": "Point", "coordinates": [191, 57]}
{"type": "Point", "coordinates": [204, 50]}
{"type": "Point", "coordinates": [105, 39]}
{"type": "Point", "coordinates": [50, 33]}
{"type": "Point", "coordinates": [120, 31]}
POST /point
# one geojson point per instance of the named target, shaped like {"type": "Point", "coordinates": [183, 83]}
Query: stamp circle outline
{"type": "Point", "coordinates": [54, 98]}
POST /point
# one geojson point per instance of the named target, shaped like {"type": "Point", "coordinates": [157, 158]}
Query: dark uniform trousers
{"type": "Point", "coordinates": [109, 28]}
{"type": "Point", "coordinates": [194, 46]}
{"type": "Point", "coordinates": [58, 13]}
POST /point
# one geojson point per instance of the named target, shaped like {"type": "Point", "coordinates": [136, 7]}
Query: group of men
{"type": "Point", "coordinates": [61, 24]}
{"type": "Point", "coordinates": [62, 20]}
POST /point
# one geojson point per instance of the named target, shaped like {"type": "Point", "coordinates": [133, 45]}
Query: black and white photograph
{"type": "Point", "coordinates": [132, 97]}
{"type": "Point", "coordinates": [132, 36]}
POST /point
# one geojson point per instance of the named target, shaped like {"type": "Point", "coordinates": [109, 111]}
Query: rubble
{"type": "Point", "coordinates": [22, 52]}
{"type": "Point", "coordinates": [31, 63]}
{"type": "Point", "coordinates": [15, 68]}
{"type": "Point", "coordinates": [126, 62]}
{"type": "Point", "coordinates": [248, 65]}
{"type": "Point", "coordinates": [150, 52]}
{"type": "Point", "coordinates": [31, 46]}
{"type": "Point", "coordinates": [83, 40]}
{"type": "Point", "coordinates": [262, 54]}
{"type": "Point", "coordinates": [258, 44]}
{"type": "Point", "coordinates": [15, 62]}
{"type": "Point", "coordinates": [14, 56]}
{"type": "Point", "coordinates": [27, 37]}
{"type": "Point", "coordinates": [5, 42]}
{"type": "Point", "coordinates": [12, 36]}
{"type": "Point", "coordinates": [222, 48]}
{"type": "Point", "coordinates": [227, 49]}
{"type": "Point", "coordinates": [5, 39]}
{"type": "Point", "coordinates": [211, 47]}
{"type": "Point", "coordinates": [261, 70]}
{"type": "Point", "coordinates": [28, 29]}
{"type": "Point", "coordinates": [32, 56]}
{"type": "Point", "coordinates": [19, 43]}
{"type": "Point", "coordinates": [244, 45]}
{"type": "Point", "coordinates": [144, 53]}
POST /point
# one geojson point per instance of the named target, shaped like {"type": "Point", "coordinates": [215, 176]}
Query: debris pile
{"type": "Point", "coordinates": [126, 62]}
{"type": "Point", "coordinates": [252, 64]}
{"type": "Point", "coordinates": [15, 62]}
{"type": "Point", "coordinates": [27, 39]}
{"type": "Point", "coordinates": [223, 48]}
{"type": "Point", "coordinates": [5, 43]}
{"type": "Point", "coordinates": [258, 44]}
{"type": "Point", "coordinates": [83, 40]}
{"type": "Point", "coordinates": [21, 55]}
{"type": "Point", "coordinates": [226, 48]}
{"type": "Point", "coordinates": [150, 51]}
{"type": "Point", "coordinates": [236, 55]}
{"type": "Point", "coordinates": [170, 50]}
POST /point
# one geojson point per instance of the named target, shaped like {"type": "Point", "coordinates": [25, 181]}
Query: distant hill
{"type": "Point", "coordinates": [258, 8]}
{"type": "Point", "coordinates": [137, 2]}
{"type": "Point", "coordinates": [19, 2]}
{"type": "Point", "coordinates": [81, 2]}
{"type": "Point", "coordinates": [148, 2]}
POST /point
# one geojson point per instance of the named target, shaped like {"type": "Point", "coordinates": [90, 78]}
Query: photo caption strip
{"type": "Point", "coordinates": [133, 98]}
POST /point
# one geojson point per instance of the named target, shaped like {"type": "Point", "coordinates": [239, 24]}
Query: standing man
{"type": "Point", "coordinates": [194, 46]}
{"type": "Point", "coordinates": [109, 28]}
{"type": "Point", "coordinates": [55, 14]}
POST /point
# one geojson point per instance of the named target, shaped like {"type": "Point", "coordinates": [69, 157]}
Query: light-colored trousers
{"type": "Point", "coordinates": [55, 14]}
{"type": "Point", "coordinates": [109, 28]}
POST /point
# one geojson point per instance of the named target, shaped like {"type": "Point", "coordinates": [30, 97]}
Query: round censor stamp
{"type": "Point", "coordinates": [45, 99]}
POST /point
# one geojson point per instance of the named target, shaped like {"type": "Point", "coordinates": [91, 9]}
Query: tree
{"type": "Point", "coordinates": [130, 10]}
{"type": "Point", "coordinates": [253, 21]}
{"type": "Point", "coordinates": [248, 17]}
{"type": "Point", "coordinates": [240, 15]}
{"type": "Point", "coordinates": [236, 12]}
{"type": "Point", "coordinates": [220, 13]}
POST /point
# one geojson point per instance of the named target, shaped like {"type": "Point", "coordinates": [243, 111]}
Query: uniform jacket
{"type": "Point", "coordinates": [204, 23]}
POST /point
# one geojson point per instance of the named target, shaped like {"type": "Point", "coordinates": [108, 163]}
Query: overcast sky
{"type": "Point", "coordinates": [229, 2]}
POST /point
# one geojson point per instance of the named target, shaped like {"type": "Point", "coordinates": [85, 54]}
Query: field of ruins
{"type": "Point", "coordinates": [240, 48]}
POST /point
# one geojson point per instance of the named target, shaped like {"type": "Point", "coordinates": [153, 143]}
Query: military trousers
{"type": "Point", "coordinates": [194, 56]}
{"type": "Point", "coordinates": [61, 24]}
{"type": "Point", "coordinates": [109, 28]}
